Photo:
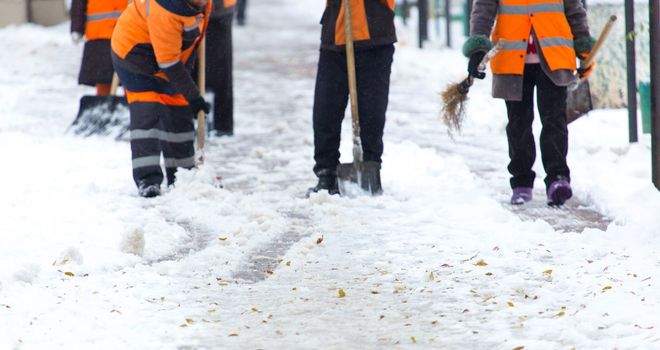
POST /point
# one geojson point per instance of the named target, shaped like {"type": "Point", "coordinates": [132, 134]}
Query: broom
{"type": "Point", "coordinates": [455, 96]}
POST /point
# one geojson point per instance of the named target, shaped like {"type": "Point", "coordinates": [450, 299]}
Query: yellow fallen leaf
{"type": "Point", "coordinates": [560, 314]}
{"type": "Point", "coordinates": [222, 238]}
{"type": "Point", "coordinates": [519, 348]}
{"type": "Point", "coordinates": [184, 325]}
{"type": "Point", "coordinates": [189, 320]}
{"type": "Point", "coordinates": [69, 273]}
{"type": "Point", "coordinates": [319, 240]}
{"type": "Point", "coordinates": [509, 303]}
{"type": "Point", "coordinates": [413, 339]}
{"type": "Point", "coordinates": [481, 263]}
{"type": "Point", "coordinates": [606, 288]}
{"type": "Point", "coordinates": [341, 293]}
{"type": "Point", "coordinates": [489, 273]}
{"type": "Point", "coordinates": [233, 334]}
{"type": "Point", "coordinates": [288, 263]}
{"type": "Point", "coordinates": [212, 310]}
{"type": "Point", "coordinates": [254, 309]}
{"type": "Point", "coordinates": [547, 272]}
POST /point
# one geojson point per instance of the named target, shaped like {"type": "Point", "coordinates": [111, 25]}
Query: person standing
{"type": "Point", "coordinates": [219, 66]}
{"type": "Point", "coordinates": [95, 20]}
{"type": "Point", "coordinates": [541, 40]}
{"type": "Point", "coordinates": [153, 51]}
{"type": "Point", "coordinates": [374, 36]}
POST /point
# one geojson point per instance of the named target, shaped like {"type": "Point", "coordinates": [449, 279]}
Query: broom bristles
{"type": "Point", "coordinates": [453, 106]}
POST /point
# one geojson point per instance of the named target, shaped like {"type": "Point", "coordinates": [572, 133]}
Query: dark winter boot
{"type": "Point", "coordinates": [521, 195]}
{"type": "Point", "coordinates": [559, 192]}
{"type": "Point", "coordinates": [326, 182]}
{"type": "Point", "coordinates": [148, 190]}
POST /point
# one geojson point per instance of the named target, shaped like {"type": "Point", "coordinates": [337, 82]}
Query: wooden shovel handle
{"type": "Point", "coordinates": [114, 84]}
{"type": "Point", "coordinates": [599, 43]}
{"type": "Point", "coordinates": [201, 82]}
{"type": "Point", "coordinates": [352, 81]}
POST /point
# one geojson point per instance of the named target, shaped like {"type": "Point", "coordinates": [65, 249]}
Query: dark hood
{"type": "Point", "coordinates": [180, 7]}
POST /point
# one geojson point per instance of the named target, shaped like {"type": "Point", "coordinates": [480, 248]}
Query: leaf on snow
{"type": "Point", "coordinates": [560, 314]}
{"type": "Point", "coordinates": [189, 320]}
{"type": "Point", "coordinates": [509, 303]}
{"type": "Point", "coordinates": [319, 240]}
{"type": "Point", "coordinates": [414, 340]}
{"type": "Point", "coordinates": [222, 238]}
{"type": "Point", "coordinates": [606, 288]}
{"type": "Point", "coordinates": [69, 273]}
{"type": "Point", "coordinates": [233, 334]}
{"type": "Point", "coordinates": [519, 348]}
{"type": "Point", "coordinates": [481, 263]}
{"type": "Point", "coordinates": [548, 272]}
{"type": "Point", "coordinates": [341, 293]}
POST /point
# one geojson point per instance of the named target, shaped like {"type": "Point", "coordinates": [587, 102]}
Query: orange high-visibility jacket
{"type": "Point", "coordinates": [373, 23]}
{"type": "Point", "coordinates": [515, 21]}
{"type": "Point", "coordinates": [96, 18]}
{"type": "Point", "coordinates": [151, 28]}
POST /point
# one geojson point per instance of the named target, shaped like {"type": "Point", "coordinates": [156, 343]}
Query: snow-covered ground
{"type": "Point", "coordinates": [439, 261]}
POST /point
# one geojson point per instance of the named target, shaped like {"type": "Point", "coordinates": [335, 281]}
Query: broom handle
{"type": "Point", "coordinates": [114, 84]}
{"type": "Point", "coordinates": [201, 82]}
{"type": "Point", "coordinates": [352, 83]}
{"type": "Point", "coordinates": [601, 40]}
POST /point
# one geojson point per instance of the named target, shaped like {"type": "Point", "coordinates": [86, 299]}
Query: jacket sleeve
{"type": "Point", "coordinates": [577, 18]}
{"type": "Point", "coordinates": [166, 32]}
{"type": "Point", "coordinates": [78, 15]}
{"type": "Point", "coordinates": [483, 17]}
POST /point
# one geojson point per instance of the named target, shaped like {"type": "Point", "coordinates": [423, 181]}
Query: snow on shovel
{"type": "Point", "coordinates": [102, 115]}
{"type": "Point", "coordinates": [365, 174]}
{"type": "Point", "coordinates": [578, 102]}
{"type": "Point", "coordinates": [455, 95]}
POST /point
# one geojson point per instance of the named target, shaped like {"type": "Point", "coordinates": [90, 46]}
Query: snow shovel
{"type": "Point", "coordinates": [578, 102]}
{"type": "Point", "coordinates": [102, 115]}
{"type": "Point", "coordinates": [201, 116]}
{"type": "Point", "coordinates": [365, 174]}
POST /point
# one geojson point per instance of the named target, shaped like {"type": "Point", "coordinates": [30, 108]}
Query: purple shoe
{"type": "Point", "coordinates": [521, 195]}
{"type": "Point", "coordinates": [559, 192]}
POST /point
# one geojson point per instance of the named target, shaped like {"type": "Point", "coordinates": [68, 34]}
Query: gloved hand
{"type": "Point", "coordinates": [473, 66]}
{"type": "Point", "coordinates": [583, 73]}
{"type": "Point", "coordinates": [76, 37]}
{"type": "Point", "coordinates": [198, 104]}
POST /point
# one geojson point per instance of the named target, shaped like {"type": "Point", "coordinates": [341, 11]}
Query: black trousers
{"type": "Point", "coordinates": [554, 134]}
{"type": "Point", "coordinates": [159, 128]}
{"type": "Point", "coordinates": [373, 68]}
{"type": "Point", "coordinates": [219, 72]}
{"type": "Point", "coordinates": [240, 11]}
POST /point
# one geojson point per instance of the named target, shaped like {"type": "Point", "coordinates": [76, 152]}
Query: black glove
{"type": "Point", "coordinates": [473, 66]}
{"type": "Point", "coordinates": [198, 104]}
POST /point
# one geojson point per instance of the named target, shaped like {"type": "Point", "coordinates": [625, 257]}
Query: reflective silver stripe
{"type": "Point", "coordinates": [146, 161]}
{"type": "Point", "coordinates": [548, 42]}
{"type": "Point", "coordinates": [146, 9]}
{"type": "Point", "coordinates": [513, 45]}
{"type": "Point", "coordinates": [163, 135]}
{"type": "Point", "coordinates": [192, 27]}
{"type": "Point", "coordinates": [168, 65]}
{"type": "Point", "coordinates": [102, 16]}
{"type": "Point", "coordinates": [180, 163]}
{"type": "Point", "coordinates": [529, 9]}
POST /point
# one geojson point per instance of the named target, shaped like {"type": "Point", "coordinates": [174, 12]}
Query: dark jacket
{"type": "Point", "coordinates": [373, 24]}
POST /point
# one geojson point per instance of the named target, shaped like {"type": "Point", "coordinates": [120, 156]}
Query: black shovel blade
{"type": "Point", "coordinates": [365, 174]}
{"type": "Point", "coordinates": [578, 102]}
{"type": "Point", "coordinates": [101, 115]}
